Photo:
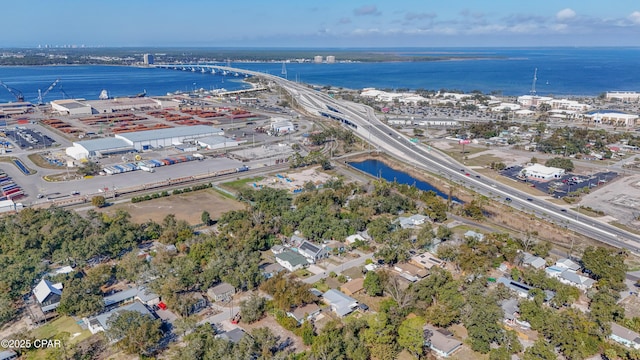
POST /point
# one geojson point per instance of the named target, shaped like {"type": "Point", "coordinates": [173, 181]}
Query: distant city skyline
{"type": "Point", "coordinates": [314, 23]}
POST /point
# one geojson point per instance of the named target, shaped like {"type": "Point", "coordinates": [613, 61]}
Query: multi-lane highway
{"type": "Point", "coordinates": [363, 121]}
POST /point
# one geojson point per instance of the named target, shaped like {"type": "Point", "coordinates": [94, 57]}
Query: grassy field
{"type": "Point", "coordinates": [239, 184]}
{"type": "Point", "coordinates": [63, 324]}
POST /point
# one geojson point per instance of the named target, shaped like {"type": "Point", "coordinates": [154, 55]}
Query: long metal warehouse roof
{"type": "Point", "coordinates": [187, 131]}
{"type": "Point", "coordinates": [104, 144]}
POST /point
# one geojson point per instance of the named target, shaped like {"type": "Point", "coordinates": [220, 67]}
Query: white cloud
{"type": "Point", "coordinates": [635, 17]}
{"type": "Point", "coordinates": [565, 14]}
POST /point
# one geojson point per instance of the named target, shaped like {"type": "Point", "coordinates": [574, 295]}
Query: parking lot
{"type": "Point", "coordinates": [562, 186]}
{"type": "Point", "coordinates": [29, 139]}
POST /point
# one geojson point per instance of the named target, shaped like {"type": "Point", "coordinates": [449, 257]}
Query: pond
{"type": "Point", "coordinates": [379, 169]}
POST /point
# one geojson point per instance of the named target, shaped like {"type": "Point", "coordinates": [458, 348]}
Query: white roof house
{"type": "Point", "coordinates": [339, 302]}
{"type": "Point", "coordinates": [567, 264]}
{"type": "Point", "coordinates": [48, 294]}
{"type": "Point", "coordinates": [427, 260]}
{"type": "Point", "coordinates": [407, 222]}
{"type": "Point", "coordinates": [624, 336]}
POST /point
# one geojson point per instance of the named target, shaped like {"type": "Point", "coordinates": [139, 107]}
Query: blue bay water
{"type": "Point", "coordinates": [561, 72]}
{"type": "Point", "coordinates": [87, 81]}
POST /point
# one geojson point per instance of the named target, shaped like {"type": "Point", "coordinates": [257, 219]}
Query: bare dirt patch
{"type": "Point", "coordinates": [271, 323]}
{"type": "Point", "coordinates": [188, 207]}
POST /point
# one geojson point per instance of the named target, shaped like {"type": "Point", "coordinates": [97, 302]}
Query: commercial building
{"type": "Point", "coordinates": [317, 59]}
{"type": "Point", "coordinates": [331, 59]}
{"type": "Point", "coordinates": [140, 140]}
{"type": "Point", "coordinates": [217, 142]}
{"type": "Point", "coordinates": [623, 95]}
{"type": "Point", "coordinates": [541, 172]}
{"type": "Point", "coordinates": [71, 107]}
{"type": "Point", "coordinates": [613, 118]}
{"type": "Point", "coordinates": [148, 59]}
{"type": "Point", "coordinates": [97, 148]}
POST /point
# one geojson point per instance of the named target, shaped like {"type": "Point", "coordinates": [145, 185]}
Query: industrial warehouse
{"type": "Point", "coordinates": [140, 141]}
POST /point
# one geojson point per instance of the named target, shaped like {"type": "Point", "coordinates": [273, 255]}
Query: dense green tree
{"type": "Point", "coordinates": [562, 163]}
{"type": "Point", "coordinates": [205, 218]}
{"type": "Point", "coordinates": [373, 284]}
{"type": "Point", "coordinates": [98, 201]}
{"type": "Point", "coordinates": [606, 265]}
{"type": "Point", "coordinates": [410, 336]}
{"type": "Point", "coordinates": [541, 350]}
{"type": "Point", "coordinates": [252, 309]}
{"type": "Point", "coordinates": [134, 332]}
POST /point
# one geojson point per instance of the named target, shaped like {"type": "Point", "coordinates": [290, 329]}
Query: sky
{"type": "Point", "coordinates": [320, 23]}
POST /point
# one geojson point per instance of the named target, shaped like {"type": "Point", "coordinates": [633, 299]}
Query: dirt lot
{"type": "Point", "coordinates": [188, 207]}
{"type": "Point", "coordinates": [271, 323]}
{"type": "Point", "coordinates": [621, 198]}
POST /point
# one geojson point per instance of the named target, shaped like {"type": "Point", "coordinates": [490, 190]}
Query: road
{"type": "Point", "coordinates": [361, 119]}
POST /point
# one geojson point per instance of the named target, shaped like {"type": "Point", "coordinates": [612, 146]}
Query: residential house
{"type": "Point", "coordinates": [296, 239]}
{"type": "Point", "coordinates": [142, 294]}
{"type": "Point", "coordinates": [624, 336]}
{"type": "Point", "coordinates": [475, 235]}
{"type": "Point", "coordinates": [8, 354]}
{"type": "Point", "coordinates": [410, 272]}
{"type": "Point", "coordinates": [535, 262]}
{"type": "Point", "coordinates": [195, 301]}
{"type": "Point", "coordinates": [571, 278]}
{"type": "Point", "coordinates": [304, 313]}
{"type": "Point", "coordinates": [101, 322]}
{"type": "Point", "coordinates": [147, 297]}
{"type": "Point", "coordinates": [316, 292]}
{"type": "Point", "coordinates": [312, 252]}
{"type": "Point", "coordinates": [339, 302]}
{"type": "Point", "coordinates": [520, 289]}
{"type": "Point", "coordinates": [221, 292]}
{"type": "Point", "coordinates": [352, 287]}
{"type": "Point", "coordinates": [427, 260]}
{"type": "Point", "coordinates": [234, 335]}
{"type": "Point", "coordinates": [48, 295]}
{"type": "Point", "coordinates": [567, 264]}
{"type": "Point", "coordinates": [278, 249]}
{"type": "Point", "coordinates": [271, 270]}
{"type": "Point", "coordinates": [440, 341]}
{"type": "Point", "coordinates": [413, 221]}
{"type": "Point", "coordinates": [512, 313]}
{"type": "Point", "coordinates": [291, 261]}
{"type": "Point", "coordinates": [351, 239]}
